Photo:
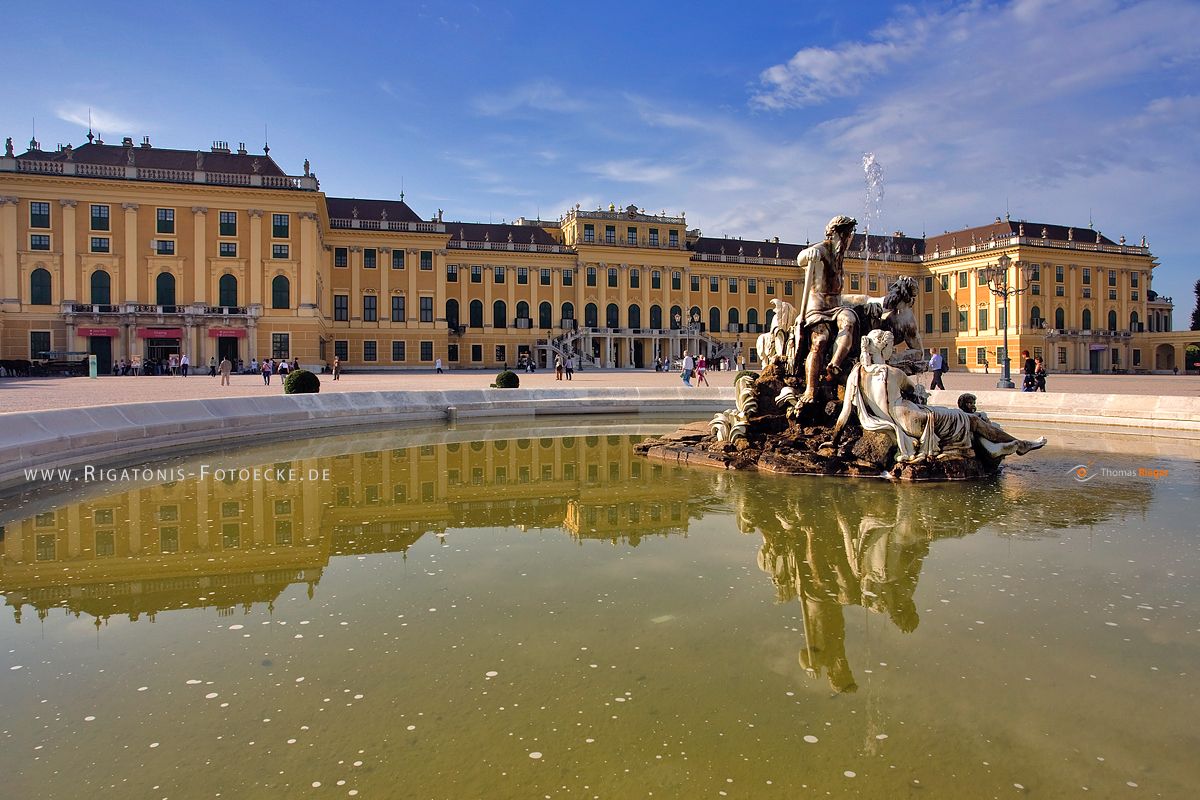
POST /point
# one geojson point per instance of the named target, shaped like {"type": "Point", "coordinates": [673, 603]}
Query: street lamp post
{"type": "Point", "coordinates": [997, 278]}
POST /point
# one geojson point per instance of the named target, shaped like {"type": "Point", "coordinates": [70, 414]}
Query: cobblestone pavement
{"type": "Point", "coordinates": [32, 394]}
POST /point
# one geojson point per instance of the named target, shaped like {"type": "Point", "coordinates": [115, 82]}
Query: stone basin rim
{"type": "Point", "coordinates": [63, 438]}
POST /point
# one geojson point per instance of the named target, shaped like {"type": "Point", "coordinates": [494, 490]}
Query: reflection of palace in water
{"type": "Point", "coordinates": [861, 547]}
{"type": "Point", "coordinates": [207, 543]}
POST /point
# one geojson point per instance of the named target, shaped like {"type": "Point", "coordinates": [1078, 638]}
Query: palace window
{"type": "Point", "coordinates": [39, 342]}
{"type": "Point", "coordinates": [654, 237]}
{"type": "Point", "coordinates": [676, 280]}
{"type": "Point", "coordinates": [100, 220]}
{"type": "Point", "coordinates": [962, 279]}
{"type": "Point", "coordinates": [631, 236]}
{"type": "Point", "coordinates": [39, 241]}
{"type": "Point", "coordinates": [961, 355]}
{"type": "Point", "coordinates": [369, 308]}
{"type": "Point", "coordinates": [1112, 277]}
{"type": "Point", "coordinates": [369, 258]}
{"type": "Point", "coordinates": [787, 288]}
{"type": "Point", "coordinates": [427, 351]}
{"type": "Point", "coordinates": [398, 308]}
{"type": "Point", "coordinates": [522, 276]}
{"type": "Point", "coordinates": [1087, 275]}
{"type": "Point", "coordinates": [427, 309]}
{"type": "Point", "coordinates": [340, 258]}
{"type": "Point", "coordinates": [962, 319]}
{"type": "Point", "coordinates": [589, 233]}
{"type": "Point", "coordinates": [280, 250]}
{"type": "Point", "coordinates": [714, 284]}
{"type": "Point", "coordinates": [544, 277]}
{"type": "Point", "coordinates": [280, 226]}
{"type": "Point", "coordinates": [164, 247]}
{"type": "Point", "coordinates": [227, 223]}
{"type": "Point", "coordinates": [1058, 273]}
{"type": "Point", "coordinates": [100, 244]}
{"type": "Point", "coordinates": [673, 238]}
{"type": "Point", "coordinates": [341, 350]}
{"type": "Point", "coordinates": [591, 276]}
{"type": "Point", "coordinates": [568, 277]}
{"type": "Point", "coordinates": [770, 287]}
{"type": "Point", "coordinates": [427, 260]}
{"type": "Point", "coordinates": [635, 279]}
{"type": "Point", "coordinates": [280, 345]}
{"type": "Point", "coordinates": [39, 214]}
{"type": "Point", "coordinates": [227, 249]}
{"type": "Point", "coordinates": [477, 352]}
{"type": "Point", "coordinates": [929, 323]}
{"type": "Point", "coordinates": [498, 274]}
{"type": "Point", "coordinates": [370, 350]}
{"type": "Point", "coordinates": [981, 355]}
{"type": "Point", "coordinates": [752, 286]}
{"type": "Point", "coordinates": [610, 234]}
{"type": "Point", "coordinates": [733, 285]}
{"type": "Point", "coordinates": [476, 273]}
{"type": "Point", "coordinates": [945, 322]}
{"type": "Point", "coordinates": [451, 273]}
{"type": "Point", "coordinates": [945, 282]}
{"type": "Point", "coordinates": [983, 319]}
{"type": "Point", "coordinates": [341, 307]}
{"type": "Point", "coordinates": [612, 277]}
{"type": "Point", "coordinates": [398, 353]}
{"type": "Point", "coordinates": [928, 283]}
{"type": "Point", "coordinates": [164, 220]}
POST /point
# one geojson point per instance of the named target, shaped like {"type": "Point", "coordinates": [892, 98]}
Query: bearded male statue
{"type": "Point", "coordinates": [821, 317]}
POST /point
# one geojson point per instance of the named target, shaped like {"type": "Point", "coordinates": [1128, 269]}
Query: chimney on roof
{"type": "Point", "coordinates": [146, 142]}
{"type": "Point", "coordinates": [127, 141]}
{"type": "Point", "coordinates": [241, 148]}
{"type": "Point", "coordinates": [220, 147]}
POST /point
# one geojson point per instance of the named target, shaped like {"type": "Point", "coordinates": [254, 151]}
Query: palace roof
{"type": "Point", "coordinates": [147, 157]}
{"type": "Point", "coordinates": [1003, 229]}
{"type": "Point", "coordinates": [358, 208]}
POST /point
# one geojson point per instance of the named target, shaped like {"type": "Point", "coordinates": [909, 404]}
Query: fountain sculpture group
{"type": "Point", "coordinates": [835, 398]}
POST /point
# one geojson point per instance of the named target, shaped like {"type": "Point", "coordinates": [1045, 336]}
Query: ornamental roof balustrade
{"type": "Point", "coordinates": [662, 219]}
{"type": "Point", "coordinates": [306, 183]}
{"type": "Point", "coordinates": [517, 247]}
{"type": "Point", "coordinates": [1032, 241]}
{"type": "Point", "coordinates": [401, 226]}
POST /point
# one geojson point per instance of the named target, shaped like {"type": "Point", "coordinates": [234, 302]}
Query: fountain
{"type": "Point", "coordinates": [835, 398]}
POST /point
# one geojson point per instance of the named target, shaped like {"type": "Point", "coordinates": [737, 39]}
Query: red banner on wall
{"type": "Point", "coordinates": [160, 333]}
{"type": "Point", "coordinates": [220, 332]}
{"type": "Point", "coordinates": [99, 332]}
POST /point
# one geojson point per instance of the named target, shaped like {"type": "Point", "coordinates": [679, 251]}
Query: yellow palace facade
{"type": "Point", "coordinates": [134, 252]}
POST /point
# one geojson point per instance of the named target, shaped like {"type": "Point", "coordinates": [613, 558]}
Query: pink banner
{"type": "Point", "coordinates": [160, 333]}
{"type": "Point", "coordinates": [99, 332]}
{"type": "Point", "coordinates": [219, 332]}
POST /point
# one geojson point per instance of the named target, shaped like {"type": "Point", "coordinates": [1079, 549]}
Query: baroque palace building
{"type": "Point", "coordinates": [137, 252]}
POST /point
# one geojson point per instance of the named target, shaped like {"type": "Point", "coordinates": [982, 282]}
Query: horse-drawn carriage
{"type": "Point", "coordinates": [60, 362]}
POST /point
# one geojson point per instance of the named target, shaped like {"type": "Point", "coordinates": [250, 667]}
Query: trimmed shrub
{"type": "Point", "coordinates": [507, 380]}
{"type": "Point", "coordinates": [301, 381]}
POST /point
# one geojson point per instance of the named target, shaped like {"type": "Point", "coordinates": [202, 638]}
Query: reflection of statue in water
{"type": "Point", "coordinates": [885, 399]}
{"type": "Point", "coordinates": [840, 556]}
{"type": "Point", "coordinates": [821, 315]}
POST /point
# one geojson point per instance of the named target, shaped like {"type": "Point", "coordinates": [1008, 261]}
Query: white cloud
{"type": "Point", "coordinates": [101, 119]}
{"type": "Point", "coordinates": [635, 171]}
{"type": "Point", "coordinates": [538, 95]}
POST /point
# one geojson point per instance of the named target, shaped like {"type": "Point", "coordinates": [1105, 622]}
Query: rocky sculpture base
{"type": "Point", "coordinates": [775, 443]}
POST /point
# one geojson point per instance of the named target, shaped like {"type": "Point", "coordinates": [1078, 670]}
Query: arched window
{"type": "Point", "coordinates": [612, 316]}
{"type": "Point", "coordinates": [1035, 317]}
{"type": "Point", "coordinates": [635, 316]}
{"type": "Point", "coordinates": [281, 292]}
{"type": "Point", "coordinates": [1087, 319]}
{"type": "Point", "coordinates": [499, 314]}
{"type": "Point", "coordinates": [590, 316]}
{"type": "Point", "coordinates": [476, 313]}
{"type": "Point", "coordinates": [752, 316]}
{"type": "Point", "coordinates": [568, 311]}
{"type": "Point", "coordinates": [522, 309]}
{"type": "Point", "coordinates": [545, 315]}
{"type": "Point", "coordinates": [452, 313]}
{"type": "Point", "coordinates": [227, 291]}
{"type": "Point", "coordinates": [714, 319]}
{"type": "Point", "coordinates": [734, 317]}
{"type": "Point", "coordinates": [769, 318]}
{"type": "Point", "coordinates": [101, 288]}
{"type": "Point", "coordinates": [1133, 321]}
{"type": "Point", "coordinates": [656, 317]}
{"type": "Point", "coordinates": [676, 317]}
{"type": "Point", "coordinates": [1112, 320]}
{"type": "Point", "coordinates": [694, 317]}
{"type": "Point", "coordinates": [1060, 319]}
{"type": "Point", "coordinates": [164, 289]}
{"type": "Point", "coordinates": [39, 288]}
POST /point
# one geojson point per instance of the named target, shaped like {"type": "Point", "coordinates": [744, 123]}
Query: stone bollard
{"type": "Point", "coordinates": [451, 417]}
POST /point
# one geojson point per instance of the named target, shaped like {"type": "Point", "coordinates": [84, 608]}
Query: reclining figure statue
{"type": "Point", "coordinates": [885, 399]}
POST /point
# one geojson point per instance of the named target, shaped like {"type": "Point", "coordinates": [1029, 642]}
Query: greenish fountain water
{"type": "Point", "coordinates": [512, 617]}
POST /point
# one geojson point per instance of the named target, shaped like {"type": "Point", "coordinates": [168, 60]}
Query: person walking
{"type": "Point", "coordinates": [938, 366]}
{"type": "Point", "coordinates": [570, 366]}
{"type": "Point", "coordinates": [226, 367]}
{"type": "Point", "coordinates": [284, 368]}
{"type": "Point", "coordinates": [437, 365]}
{"type": "Point", "coordinates": [1039, 374]}
{"type": "Point", "coordinates": [266, 371]}
{"type": "Point", "coordinates": [558, 368]}
{"type": "Point", "coordinates": [985, 365]}
{"type": "Point", "coordinates": [689, 364]}
{"type": "Point", "coordinates": [701, 370]}
{"type": "Point", "coordinates": [212, 366]}
{"type": "Point", "coordinates": [337, 368]}
{"type": "Point", "coordinates": [184, 363]}
{"type": "Point", "coordinates": [1029, 367]}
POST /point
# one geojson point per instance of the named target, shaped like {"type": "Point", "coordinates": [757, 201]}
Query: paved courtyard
{"type": "Point", "coordinates": [32, 394]}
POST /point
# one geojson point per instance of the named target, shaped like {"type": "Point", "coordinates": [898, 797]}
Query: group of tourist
{"type": "Point", "coordinates": [696, 368]}
{"type": "Point", "coordinates": [564, 367]}
{"type": "Point", "coordinates": [1033, 369]}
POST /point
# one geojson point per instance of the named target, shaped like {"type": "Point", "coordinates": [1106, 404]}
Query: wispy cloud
{"type": "Point", "coordinates": [101, 119]}
{"type": "Point", "coordinates": [635, 171]}
{"type": "Point", "coordinates": [538, 95]}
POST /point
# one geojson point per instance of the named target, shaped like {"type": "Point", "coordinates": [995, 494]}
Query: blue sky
{"type": "Point", "coordinates": [751, 117]}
